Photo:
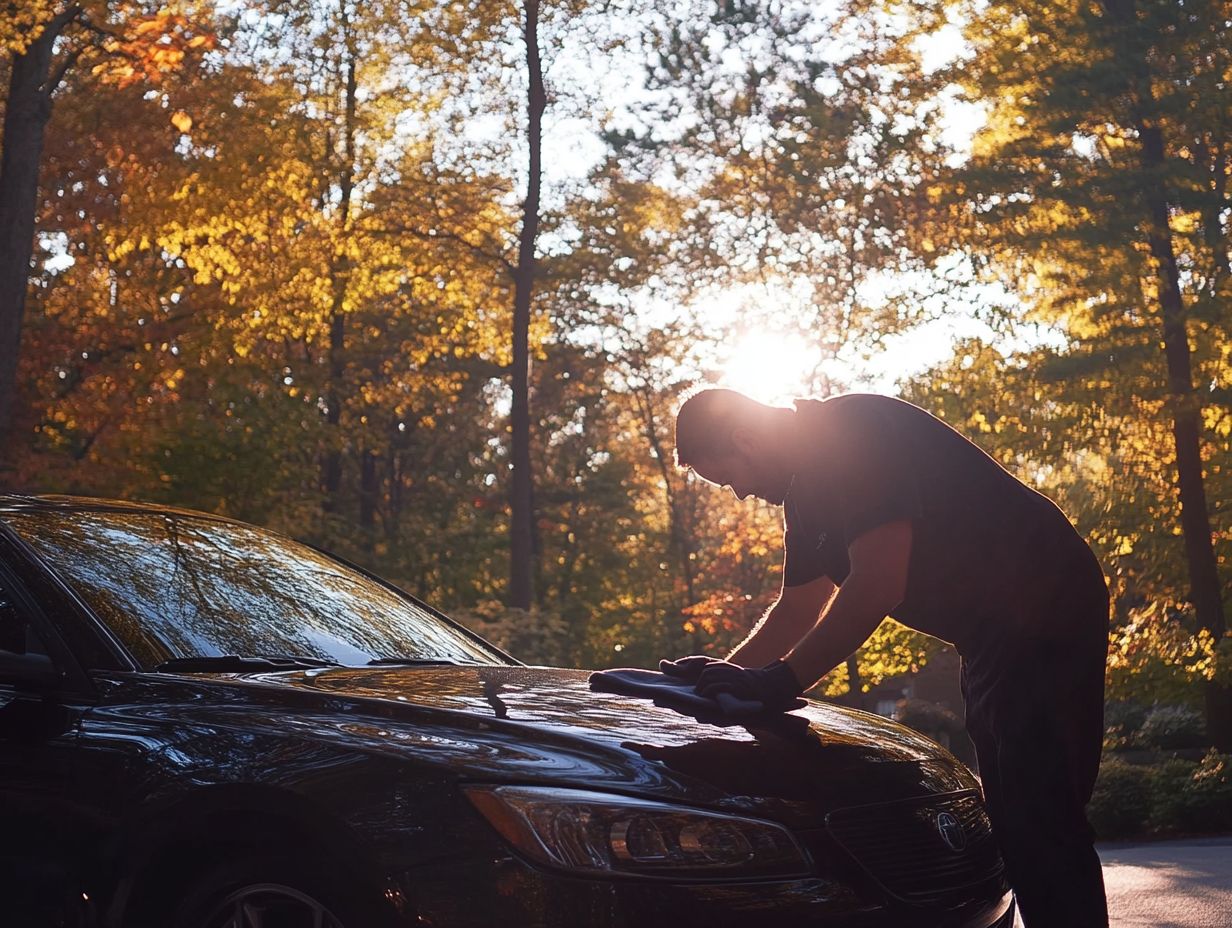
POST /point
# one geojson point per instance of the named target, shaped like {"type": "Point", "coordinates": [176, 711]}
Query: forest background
{"type": "Point", "coordinates": [423, 282]}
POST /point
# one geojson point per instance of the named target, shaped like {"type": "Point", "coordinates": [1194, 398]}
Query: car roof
{"type": "Point", "coordinates": [16, 503]}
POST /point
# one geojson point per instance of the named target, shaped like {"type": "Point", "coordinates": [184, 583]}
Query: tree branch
{"type": "Point", "coordinates": [100, 31]}
{"type": "Point", "coordinates": [450, 236]}
{"type": "Point", "coordinates": [57, 76]}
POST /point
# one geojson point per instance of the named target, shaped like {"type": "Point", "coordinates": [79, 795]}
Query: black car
{"type": "Point", "coordinates": [208, 725]}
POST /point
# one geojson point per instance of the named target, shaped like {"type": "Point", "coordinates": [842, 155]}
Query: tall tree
{"type": "Point", "coordinates": [339, 266]}
{"type": "Point", "coordinates": [521, 539]}
{"type": "Point", "coordinates": [1095, 192]}
{"type": "Point", "coordinates": [46, 40]}
{"type": "Point", "coordinates": [1132, 42]}
{"type": "Point", "coordinates": [32, 80]}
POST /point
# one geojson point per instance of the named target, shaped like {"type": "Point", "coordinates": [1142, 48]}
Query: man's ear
{"type": "Point", "coordinates": [745, 441]}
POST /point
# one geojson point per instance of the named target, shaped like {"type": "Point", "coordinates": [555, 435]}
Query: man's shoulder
{"type": "Point", "coordinates": [851, 427]}
{"type": "Point", "coordinates": [843, 405]}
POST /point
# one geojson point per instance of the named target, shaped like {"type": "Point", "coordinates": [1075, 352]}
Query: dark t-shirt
{"type": "Point", "coordinates": [985, 546]}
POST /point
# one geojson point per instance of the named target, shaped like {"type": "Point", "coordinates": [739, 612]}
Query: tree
{"type": "Point", "coordinates": [521, 543]}
{"type": "Point", "coordinates": [798, 132]}
{"type": "Point", "coordinates": [1095, 193]}
{"type": "Point", "coordinates": [46, 40]}
{"type": "Point", "coordinates": [285, 282]}
{"type": "Point", "coordinates": [787, 134]}
{"type": "Point", "coordinates": [1132, 42]}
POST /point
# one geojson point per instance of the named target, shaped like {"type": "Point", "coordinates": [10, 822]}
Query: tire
{"type": "Point", "coordinates": [273, 892]}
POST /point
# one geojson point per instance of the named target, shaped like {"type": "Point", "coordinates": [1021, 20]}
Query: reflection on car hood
{"type": "Point", "coordinates": [821, 753]}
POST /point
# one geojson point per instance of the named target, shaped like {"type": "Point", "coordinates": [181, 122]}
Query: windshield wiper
{"type": "Point", "coordinates": [234, 663]}
{"type": "Point", "coordinates": [417, 662]}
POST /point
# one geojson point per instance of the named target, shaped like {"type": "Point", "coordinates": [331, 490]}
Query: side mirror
{"type": "Point", "coordinates": [31, 669]}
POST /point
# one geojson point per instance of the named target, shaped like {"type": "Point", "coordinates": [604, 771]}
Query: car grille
{"type": "Point", "coordinates": [902, 846]}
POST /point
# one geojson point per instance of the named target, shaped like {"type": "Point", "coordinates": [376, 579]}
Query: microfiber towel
{"type": "Point", "coordinates": [675, 693]}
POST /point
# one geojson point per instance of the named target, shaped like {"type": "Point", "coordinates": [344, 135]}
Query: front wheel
{"type": "Point", "coordinates": [270, 893]}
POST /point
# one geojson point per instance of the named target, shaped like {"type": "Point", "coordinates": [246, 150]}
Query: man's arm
{"type": "Point", "coordinates": [785, 623]}
{"type": "Point", "coordinates": [877, 583]}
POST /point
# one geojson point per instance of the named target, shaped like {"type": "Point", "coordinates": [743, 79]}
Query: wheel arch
{"type": "Point", "coordinates": [160, 855]}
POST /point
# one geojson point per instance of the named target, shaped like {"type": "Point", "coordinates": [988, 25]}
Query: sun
{"type": "Point", "coordinates": [771, 367]}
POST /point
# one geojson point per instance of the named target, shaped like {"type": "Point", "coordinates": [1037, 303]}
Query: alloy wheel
{"type": "Point", "coordinates": [271, 905]}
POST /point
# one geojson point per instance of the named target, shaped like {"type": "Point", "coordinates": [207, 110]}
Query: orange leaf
{"type": "Point", "coordinates": [182, 121]}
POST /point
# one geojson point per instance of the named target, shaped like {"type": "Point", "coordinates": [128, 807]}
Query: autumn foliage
{"type": "Point", "coordinates": [276, 256]}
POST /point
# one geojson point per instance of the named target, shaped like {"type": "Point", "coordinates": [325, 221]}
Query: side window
{"type": "Point", "coordinates": [17, 636]}
{"type": "Point", "coordinates": [24, 658]}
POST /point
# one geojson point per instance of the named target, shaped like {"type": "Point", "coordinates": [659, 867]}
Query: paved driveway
{"type": "Point", "coordinates": [1169, 884]}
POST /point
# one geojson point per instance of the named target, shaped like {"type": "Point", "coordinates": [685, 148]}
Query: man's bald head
{"type": "Point", "coordinates": [731, 440]}
{"type": "Point", "coordinates": [707, 420]}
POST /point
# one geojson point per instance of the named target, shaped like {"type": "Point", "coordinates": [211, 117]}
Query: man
{"type": "Point", "coordinates": [889, 511]}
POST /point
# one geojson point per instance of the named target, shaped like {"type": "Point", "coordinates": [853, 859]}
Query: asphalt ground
{"type": "Point", "coordinates": [1169, 884]}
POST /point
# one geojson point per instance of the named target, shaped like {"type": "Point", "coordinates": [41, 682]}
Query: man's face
{"type": "Point", "coordinates": [745, 476]}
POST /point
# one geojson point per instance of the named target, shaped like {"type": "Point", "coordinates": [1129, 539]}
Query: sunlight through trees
{"type": "Point", "coordinates": [424, 281]}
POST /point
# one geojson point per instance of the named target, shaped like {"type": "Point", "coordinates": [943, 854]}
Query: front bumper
{"type": "Point", "coordinates": [883, 865]}
{"type": "Point", "coordinates": [508, 891]}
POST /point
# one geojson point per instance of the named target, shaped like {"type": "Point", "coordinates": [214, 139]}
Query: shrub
{"type": "Point", "coordinates": [1121, 802]}
{"type": "Point", "coordinates": [1175, 796]}
{"type": "Point", "coordinates": [1155, 657]}
{"type": "Point", "coordinates": [1201, 801]}
{"type": "Point", "coordinates": [927, 717]}
{"type": "Point", "coordinates": [1169, 781]}
{"type": "Point", "coordinates": [1122, 720]}
{"type": "Point", "coordinates": [1172, 728]}
{"type": "Point", "coordinates": [535, 637]}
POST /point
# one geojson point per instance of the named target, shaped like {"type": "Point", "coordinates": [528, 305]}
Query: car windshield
{"type": "Point", "coordinates": [175, 586]}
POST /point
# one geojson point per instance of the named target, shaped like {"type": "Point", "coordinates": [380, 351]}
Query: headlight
{"type": "Point", "coordinates": [601, 833]}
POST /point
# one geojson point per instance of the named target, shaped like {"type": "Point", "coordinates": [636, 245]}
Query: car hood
{"type": "Point", "coordinates": [527, 724]}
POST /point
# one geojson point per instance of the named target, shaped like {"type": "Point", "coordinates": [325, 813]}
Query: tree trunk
{"type": "Point", "coordinates": [27, 111]}
{"type": "Point", "coordinates": [855, 684]}
{"type": "Point", "coordinates": [521, 538]}
{"type": "Point", "coordinates": [393, 513]}
{"type": "Point", "coordinates": [1186, 405]}
{"type": "Point", "coordinates": [369, 486]}
{"type": "Point", "coordinates": [1187, 425]}
{"type": "Point", "coordinates": [1204, 589]}
{"type": "Point", "coordinates": [1186, 418]}
{"type": "Point", "coordinates": [564, 577]}
{"type": "Point", "coordinates": [678, 536]}
{"type": "Point", "coordinates": [331, 464]}
{"type": "Point", "coordinates": [331, 460]}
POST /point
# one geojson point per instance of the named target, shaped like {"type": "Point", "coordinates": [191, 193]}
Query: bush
{"type": "Point", "coordinates": [1175, 796]}
{"type": "Point", "coordinates": [1169, 781]}
{"type": "Point", "coordinates": [1198, 801]}
{"type": "Point", "coordinates": [1155, 658]}
{"type": "Point", "coordinates": [1122, 720]}
{"type": "Point", "coordinates": [1121, 802]}
{"type": "Point", "coordinates": [929, 718]}
{"type": "Point", "coordinates": [534, 637]}
{"type": "Point", "coordinates": [1172, 728]}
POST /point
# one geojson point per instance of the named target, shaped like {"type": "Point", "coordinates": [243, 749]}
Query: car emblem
{"type": "Point", "coordinates": [951, 832]}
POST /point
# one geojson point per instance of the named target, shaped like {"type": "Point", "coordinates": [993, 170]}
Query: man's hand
{"type": "Point", "coordinates": [689, 668]}
{"type": "Point", "coordinates": [775, 686]}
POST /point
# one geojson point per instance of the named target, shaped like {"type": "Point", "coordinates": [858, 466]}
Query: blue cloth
{"type": "Point", "coordinates": [675, 693]}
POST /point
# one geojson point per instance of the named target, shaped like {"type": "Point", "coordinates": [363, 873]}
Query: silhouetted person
{"type": "Point", "coordinates": [889, 511]}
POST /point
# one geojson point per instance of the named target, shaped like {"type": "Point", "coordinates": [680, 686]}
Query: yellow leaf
{"type": "Point", "coordinates": [182, 121]}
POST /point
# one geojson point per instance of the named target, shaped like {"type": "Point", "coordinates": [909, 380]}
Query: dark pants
{"type": "Point", "coordinates": [1035, 708]}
